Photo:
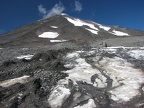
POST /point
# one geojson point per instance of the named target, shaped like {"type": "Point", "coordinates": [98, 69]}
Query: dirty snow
{"type": "Point", "coordinates": [54, 26]}
{"type": "Point", "coordinates": [27, 57]}
{"type": "Point", "coordinates": [9, 82]}
{"type": "Point", "coordinates": [117, 68]}
{"type": "Point", "coordinates": [119, 33]}
{"type": "Point", "coordinates": [78, 22]}
{"type": "Point", "coordinates": [90, 104]}
{"type": "Point", "coordinates": [123, 73]}
{"type": "Point", "coordinates": [83, 71]}
{"type": "Point", "coordinates": [137, 54]}
{"type": "Point", "coordinates": [58, 40]}
{"type": "Point", "coordinates": [49, 35]}
{"type": "Point", "coordinates": [58, 96]}
{"type": "Point", "coordinates": [127, 80]}
{"type": "Point", "coordinates": [92, 31]}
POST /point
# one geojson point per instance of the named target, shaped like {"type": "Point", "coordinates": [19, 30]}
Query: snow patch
{"type": "Point", "coordinates": [49, 35]}
{"type": "Point", "coordinates": [78, 22]}
{"type": "Point", "coordinates": [83, 71]}
{"type": "Point", "coordinates": [126, 78]}
{"type": "Point", "coordinates": [92, 31]}
{"type": "Point", "coordinates": [90, 104]}
{"type": "Point", "coordinates": [119, 33]}
{"type": "Point", "coordinates": [58, 40]}
{"type": "Point", "coordinates": [104, 27]}
{"type": "Point", "coordinates": [54, 26]}
{"type": "Point", "coordinates": [27, 57]}
{"type": "Point", "coordinates": [58, 96]}
{"type": "Point", "coordinates": [137, 54]}
{"type": "Point", "coordinates": [63, 14]}
{"type": "Point", "coordinates": [22, 80]}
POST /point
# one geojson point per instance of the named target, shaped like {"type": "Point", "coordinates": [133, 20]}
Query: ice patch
{"type": "Point", "coordinates": [27, 57]}
{"type": "Point", "coordinates": [90, 104]}
{"type": "Point", "coordinates": [119, 33]}
{"type": "Point", "coordinates": [78, 22]}
{"type": "Point", "coordinates": [54, 26]}
{"type": "Point", "coordinates": [92, 31]}
{"type": "Point", "coordinates": [58, 40]}
{"type": "Point", "coordinates": [49, 35]}
{"type": "Point", "coordinates": [58, 96]}
{"type": "Point", "coordinates": [22, 80]}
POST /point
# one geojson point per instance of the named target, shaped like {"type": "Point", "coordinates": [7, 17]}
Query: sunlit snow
{"type": "Point", "coordinates": [119, 33]}
{"type": "Point", "coordinates": [104, 27]}
{"type": "Point", "coordinates": [58, 96]}
{"type": "Point", "coordinates": [78, 22]}
{"type": "Point", "coordinates": [49, 35]}
{"type": "Point", "coordinates": [92, 31]}
{"type": "Point", "coordinates": [54, 26]}
{"type": "Point", "coordinates": [27, 57]}
{"type": "Point", "coordinates": [58, 40]}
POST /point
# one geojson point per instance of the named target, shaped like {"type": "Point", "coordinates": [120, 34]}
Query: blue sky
{"type": "Point", "coordinates": [125, 13]}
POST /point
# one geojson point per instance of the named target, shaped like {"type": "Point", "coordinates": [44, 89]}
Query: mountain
{"type": "Point", "coordinates": [66, 62]}
{"type": "Point", "coordinates": [71, 30]}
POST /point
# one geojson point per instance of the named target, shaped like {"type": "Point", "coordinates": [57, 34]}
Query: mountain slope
{"type": "Point", "coordinates": [68, 28]}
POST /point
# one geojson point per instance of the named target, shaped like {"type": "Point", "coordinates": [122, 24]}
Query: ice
{"type": "Point", "coordinates": [54, 26]}
{"type": "Point", "coordinates": [78, 22]}
{"type": "Point", "coordinates": [90, 104]}
{"type": "Point", "coordinates": [58, 96]}
{"type": "Point", "coordinates": [49, 35]}
{"type": "Point", "coordinates": [92, 31]}
{"type": "Point", "coordinates": [58, 40]}
{"type": "Point", "coordinates": [27, 57]}
{"type": "Point", "coordinates": [9, 82]}
{"type": "Point", "coordinates": [119, 33]}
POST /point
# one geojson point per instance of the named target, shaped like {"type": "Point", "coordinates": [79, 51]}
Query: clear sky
{"type": "Point", "coordinates": [125, 13]}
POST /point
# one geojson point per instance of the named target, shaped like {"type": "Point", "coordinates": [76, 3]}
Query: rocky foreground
{"type": "Point", "coordinates": [111, 77]}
